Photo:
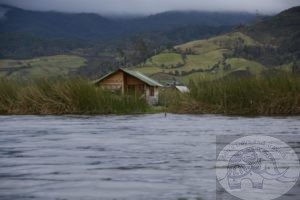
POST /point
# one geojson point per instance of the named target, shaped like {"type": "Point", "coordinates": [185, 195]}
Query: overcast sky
{"type": "Point", "coordinates": [153, 6]}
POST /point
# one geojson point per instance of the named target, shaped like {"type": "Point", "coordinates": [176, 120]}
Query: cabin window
{"type": "Point", "coordinates": [151, 91]}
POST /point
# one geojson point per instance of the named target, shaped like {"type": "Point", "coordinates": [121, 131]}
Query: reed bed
{"type": "Point", "coordinates": [277, 95]}
{"type": "Point", "coordinates": [58, 97]}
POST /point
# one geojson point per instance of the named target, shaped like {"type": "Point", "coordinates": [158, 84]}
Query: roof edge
{"type": "Point", "coordinates": [147, 80]}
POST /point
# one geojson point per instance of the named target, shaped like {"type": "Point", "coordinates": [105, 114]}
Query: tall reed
{"type": "Point", "coordinates": [278, 95]}
{"type": "Point", "coordinates": [74, 96]}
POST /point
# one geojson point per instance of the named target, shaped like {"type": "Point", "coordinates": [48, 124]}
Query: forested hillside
{"type": "Point", "coordinates": [27, 34]}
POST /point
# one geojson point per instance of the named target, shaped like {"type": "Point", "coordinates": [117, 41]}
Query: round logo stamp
{"type": "Point", "coordinates": [257, 167]}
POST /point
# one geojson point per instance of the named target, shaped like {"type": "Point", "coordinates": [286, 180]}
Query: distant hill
{"type": "Point", "coordinates": [93, 26]}
{"type": "Point", "coordinates": [55, 24]}
{"type": "Point", "coordinates": [278, 29]}
{"type": "Point", "coordinates": [280, 36]}
{"type": "Point", "coordinates": [174, 19]}
{"type": "Point", "coordinates": [259, 49]}
{"type": "Point", "coordinates": [28, 34]}
{"type": "Point", "coordinates": [96, 44]}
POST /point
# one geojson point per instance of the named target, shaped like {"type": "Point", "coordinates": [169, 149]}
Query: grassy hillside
{"type": "Point", "coordinates": [244, 64]}
{"type": "Point", "coordinates": [226, 41]}
{"type": "Point", "coordinates": [50, 66]}
{"type": "Point", "coordinates": [205, 59]}
{"type": "Point", "coordinates": [168, 59]}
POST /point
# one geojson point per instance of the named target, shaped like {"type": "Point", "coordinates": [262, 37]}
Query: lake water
{"type": "Point", "coordinates": [120, 157]}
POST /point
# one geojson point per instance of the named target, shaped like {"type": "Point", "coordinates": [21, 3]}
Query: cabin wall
{"type": "Point", "coordinates": [156, 92]}
{"type": "Point", "coordinates": [113, 82]}
{"type": "Point", "coordinates": [129, 80]}
{"type": "Point", "coordinates": [152, 99]}
{"type": "Point", "coordinates": [133, 85]}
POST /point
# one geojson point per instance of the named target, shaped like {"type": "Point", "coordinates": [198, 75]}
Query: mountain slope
{"type": "Point", "coordinates": [278, 29]}
{"type": "Point", "coordinates": [280, 38]}
{"type": "Point", "coordinates": [175, 19]}
{"type": "Point", "coordinates": [271, 44]}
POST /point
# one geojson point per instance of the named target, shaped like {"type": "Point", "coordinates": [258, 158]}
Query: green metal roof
{"type": "Point", "coordinates": [136, 74]}
{"type": "Point", "coordinates": [103, 77]}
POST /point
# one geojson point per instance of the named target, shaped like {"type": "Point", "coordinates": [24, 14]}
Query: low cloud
{"type": "Point", "coordinates": [153, 6]}
{"type": "Point", "coordinates": [2, 12]}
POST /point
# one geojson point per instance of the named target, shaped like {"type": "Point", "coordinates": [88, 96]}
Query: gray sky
{"type": "Point", "coordinates": [153, 6]}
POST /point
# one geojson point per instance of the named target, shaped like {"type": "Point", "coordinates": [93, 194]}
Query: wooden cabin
{"type": "Point", "coordinates": [131, 82]}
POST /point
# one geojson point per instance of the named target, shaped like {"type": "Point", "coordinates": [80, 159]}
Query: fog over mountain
{"type": "Point", "coordinates": [2, 12]}
{"type": "Point", "coordinates": [146, 7]}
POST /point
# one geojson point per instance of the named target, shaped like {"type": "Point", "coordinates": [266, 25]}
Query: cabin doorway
{"type": "Point", "coordinates": [131, 89]}
{"type": "Point", "coordinates": [136, 90]}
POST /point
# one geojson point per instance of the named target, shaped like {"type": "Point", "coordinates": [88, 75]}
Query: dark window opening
{"type": "Point", "coordinates": [151, 91]}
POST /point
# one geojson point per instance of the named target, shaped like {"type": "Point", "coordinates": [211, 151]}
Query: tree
{"type": "Point", "coordinates": [183, 57]}
{"type": "Point", "coordinates": [121, 57]}
{"type": "Point", "coordinates": [139, 52]}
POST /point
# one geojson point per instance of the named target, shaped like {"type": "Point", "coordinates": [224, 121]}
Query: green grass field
{"type": "Point", "coordinates": [205, 60]}
{"type": "Point", "coordinates": [50, 66]}
{"type": "Point", "coordinates": [220, 42]}
{"type": "Point", "coordinates": [255, 68]}
{"type": "Point", "coordinates": [167, 59]}
{"type": "Point", "coordinates": [204, 55]}
{"type": "Point", "coordinates": [285, 67]}
{"type": "Point", "coordinates": [202, 76]}
{"type": "Point", "coordinates": [148, 70]}
{"type": "Point", "coordinates": [237, 64]}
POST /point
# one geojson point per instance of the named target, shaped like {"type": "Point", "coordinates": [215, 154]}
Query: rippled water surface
{"type": "Point", "coordinates": [119, 157]}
